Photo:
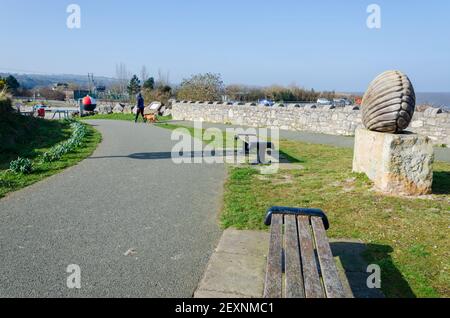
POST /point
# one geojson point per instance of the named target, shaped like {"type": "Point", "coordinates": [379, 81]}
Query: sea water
{"type": "Point", "coordinates": [435, 99]}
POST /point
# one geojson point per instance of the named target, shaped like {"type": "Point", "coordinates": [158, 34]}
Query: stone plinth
{"type": "Point", "coordinates": [399, 164]}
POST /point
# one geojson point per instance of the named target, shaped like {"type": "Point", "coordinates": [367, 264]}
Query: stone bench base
{"type": "Point", "coordinates": [399, 164]}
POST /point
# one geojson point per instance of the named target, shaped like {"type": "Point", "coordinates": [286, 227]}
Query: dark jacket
{"type": "Point", "coordinates": [140, 101]}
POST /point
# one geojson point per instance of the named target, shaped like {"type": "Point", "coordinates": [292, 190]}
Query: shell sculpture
{"type": "Point", "coordinates": [389, 103]}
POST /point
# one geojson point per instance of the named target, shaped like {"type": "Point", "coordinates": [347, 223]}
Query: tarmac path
{"type": "Point", "coordinates": [136, 223]}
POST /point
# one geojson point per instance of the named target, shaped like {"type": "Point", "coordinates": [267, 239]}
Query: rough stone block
{"type": "Point", "coordinates": [128, 109]}
{"type": "Point", "coordinates": [399, 164]}
{"type": "Point", "coordinates": [118, 109]}
{"type": "Point", "coordinates": [417, 124]}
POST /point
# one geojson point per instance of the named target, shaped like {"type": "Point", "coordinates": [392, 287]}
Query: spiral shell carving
{"type": "Point", "coordinates": [389, 103]}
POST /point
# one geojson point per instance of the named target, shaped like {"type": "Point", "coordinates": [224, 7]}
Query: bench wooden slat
{"type": "Point", "coordinates": [294, 287]}
{"type": "Point", "coordinates": [273, 286]}
{"type": "Point", "coordinates": [330, 275]}
{"type": "Point", "coordinates": [313, 285]}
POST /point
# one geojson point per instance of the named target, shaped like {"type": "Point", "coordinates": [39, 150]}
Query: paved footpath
{"type": "Point", "coordinates": [129, 196]}
{"type": "Point", "coordinates": [442, 154]}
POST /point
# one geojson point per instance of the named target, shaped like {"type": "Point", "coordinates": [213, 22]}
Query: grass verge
{"type": "Point", "coordinates": [126, 117]}
{"type": "Point", "coordinates": [22, 136]}
{"type": "Point", "coordinates": [119, 116]}
{"type": "Point", "coordinates": [52, 133]}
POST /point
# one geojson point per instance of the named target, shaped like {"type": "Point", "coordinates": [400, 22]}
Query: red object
{"type": "Point", "coordinates": [87, 100]}
{"type": "Point", "coordinates": [41, 112]}
{"type": "Point", "coordinates": [89, 103]}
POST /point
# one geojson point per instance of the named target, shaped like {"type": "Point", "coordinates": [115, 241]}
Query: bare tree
{"type": "Point", "coordinates": [123, 76]}
{"type": "Point", "coordinates": [202, 87]}
{"type": "Point", "coordinates": [163, 78]}
{"type": "Point", "coordinates": [144, 74]}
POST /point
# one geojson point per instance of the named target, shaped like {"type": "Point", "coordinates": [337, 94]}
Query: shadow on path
{"type": "Point", "coordinates": [170, 155]}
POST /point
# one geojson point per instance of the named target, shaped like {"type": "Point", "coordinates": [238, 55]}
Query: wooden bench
{"type": "Point", "coordinates": [300, 263]}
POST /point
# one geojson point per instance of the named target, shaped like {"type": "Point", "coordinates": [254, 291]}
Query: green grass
{"type": "Point", "coordinates": [175, 126]}
{"type": "Point", "coordinates": [164, 118]}
{"type": "Point", "coordinates": [226, 139]}
{"type": "Point", "coordinates": [119, 116]}
{"type": "Point", "coordinates": [126, 117]}
{"type": "Point", "coordinates": [28, 137]}
{"type": "Point", "coordinates": [48, 134]}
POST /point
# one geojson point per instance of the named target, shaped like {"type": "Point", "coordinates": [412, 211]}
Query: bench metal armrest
{"type": "Point", "coordinates": [296, 211]}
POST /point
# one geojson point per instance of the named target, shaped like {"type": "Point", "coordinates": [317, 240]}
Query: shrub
{"type": "Point", "coordinates": [51, 156]}
{"type": "Point", "coordinates": [21, 165]}
{"type": "Point", "coordinates": [5, 102]}
{"type": "Point", "coordinates": [206, 87]}
{"type": "Point", "coordinates": [50, 94]}
{"type": "Point", "coordinates": [160, 94]}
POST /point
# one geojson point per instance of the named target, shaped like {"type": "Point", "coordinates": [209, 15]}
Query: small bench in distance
{"type": "Point", "coordinates": [250, 142]}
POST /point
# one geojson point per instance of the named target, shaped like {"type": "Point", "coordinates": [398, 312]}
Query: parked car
{"type": "Point", "coordinates": [323, 102]}
{"type": "Point", "coordinates": [266, 102]}
{"type": "Point", "coordinates": [339, 102]}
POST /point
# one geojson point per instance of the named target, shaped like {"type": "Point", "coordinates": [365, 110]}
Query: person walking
{"type": "Point", "coordinates": [140, 107]}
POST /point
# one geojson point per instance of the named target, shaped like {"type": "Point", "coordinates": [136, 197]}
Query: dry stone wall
{"type": "Point", "coordinates": [325, 120]}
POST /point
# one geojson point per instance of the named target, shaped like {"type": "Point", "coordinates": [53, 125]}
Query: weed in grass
{"type": "Point", "coordinates": [21, 165]}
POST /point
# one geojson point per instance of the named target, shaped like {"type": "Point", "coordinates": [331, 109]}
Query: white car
{"type": "Point", "coordinates": [323, 101]}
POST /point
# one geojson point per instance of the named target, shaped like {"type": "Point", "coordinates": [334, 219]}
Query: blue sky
{"type": "Point", "coordinates": [324, 44]}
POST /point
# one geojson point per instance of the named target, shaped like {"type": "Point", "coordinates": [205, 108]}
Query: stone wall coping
{"type": "Point", "coordinates": [430, 112]}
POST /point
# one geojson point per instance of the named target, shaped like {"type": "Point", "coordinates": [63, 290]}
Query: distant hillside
{"type": "Point", "coordinates": [30, 81]}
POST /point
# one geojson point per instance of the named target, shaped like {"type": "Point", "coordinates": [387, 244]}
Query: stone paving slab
{"type": "Point", "coordinates": [237, 267]}
{"type": "Point", "coordinates": [216, 294]}
{"type": "Point", "coordinates": [244, 242]}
